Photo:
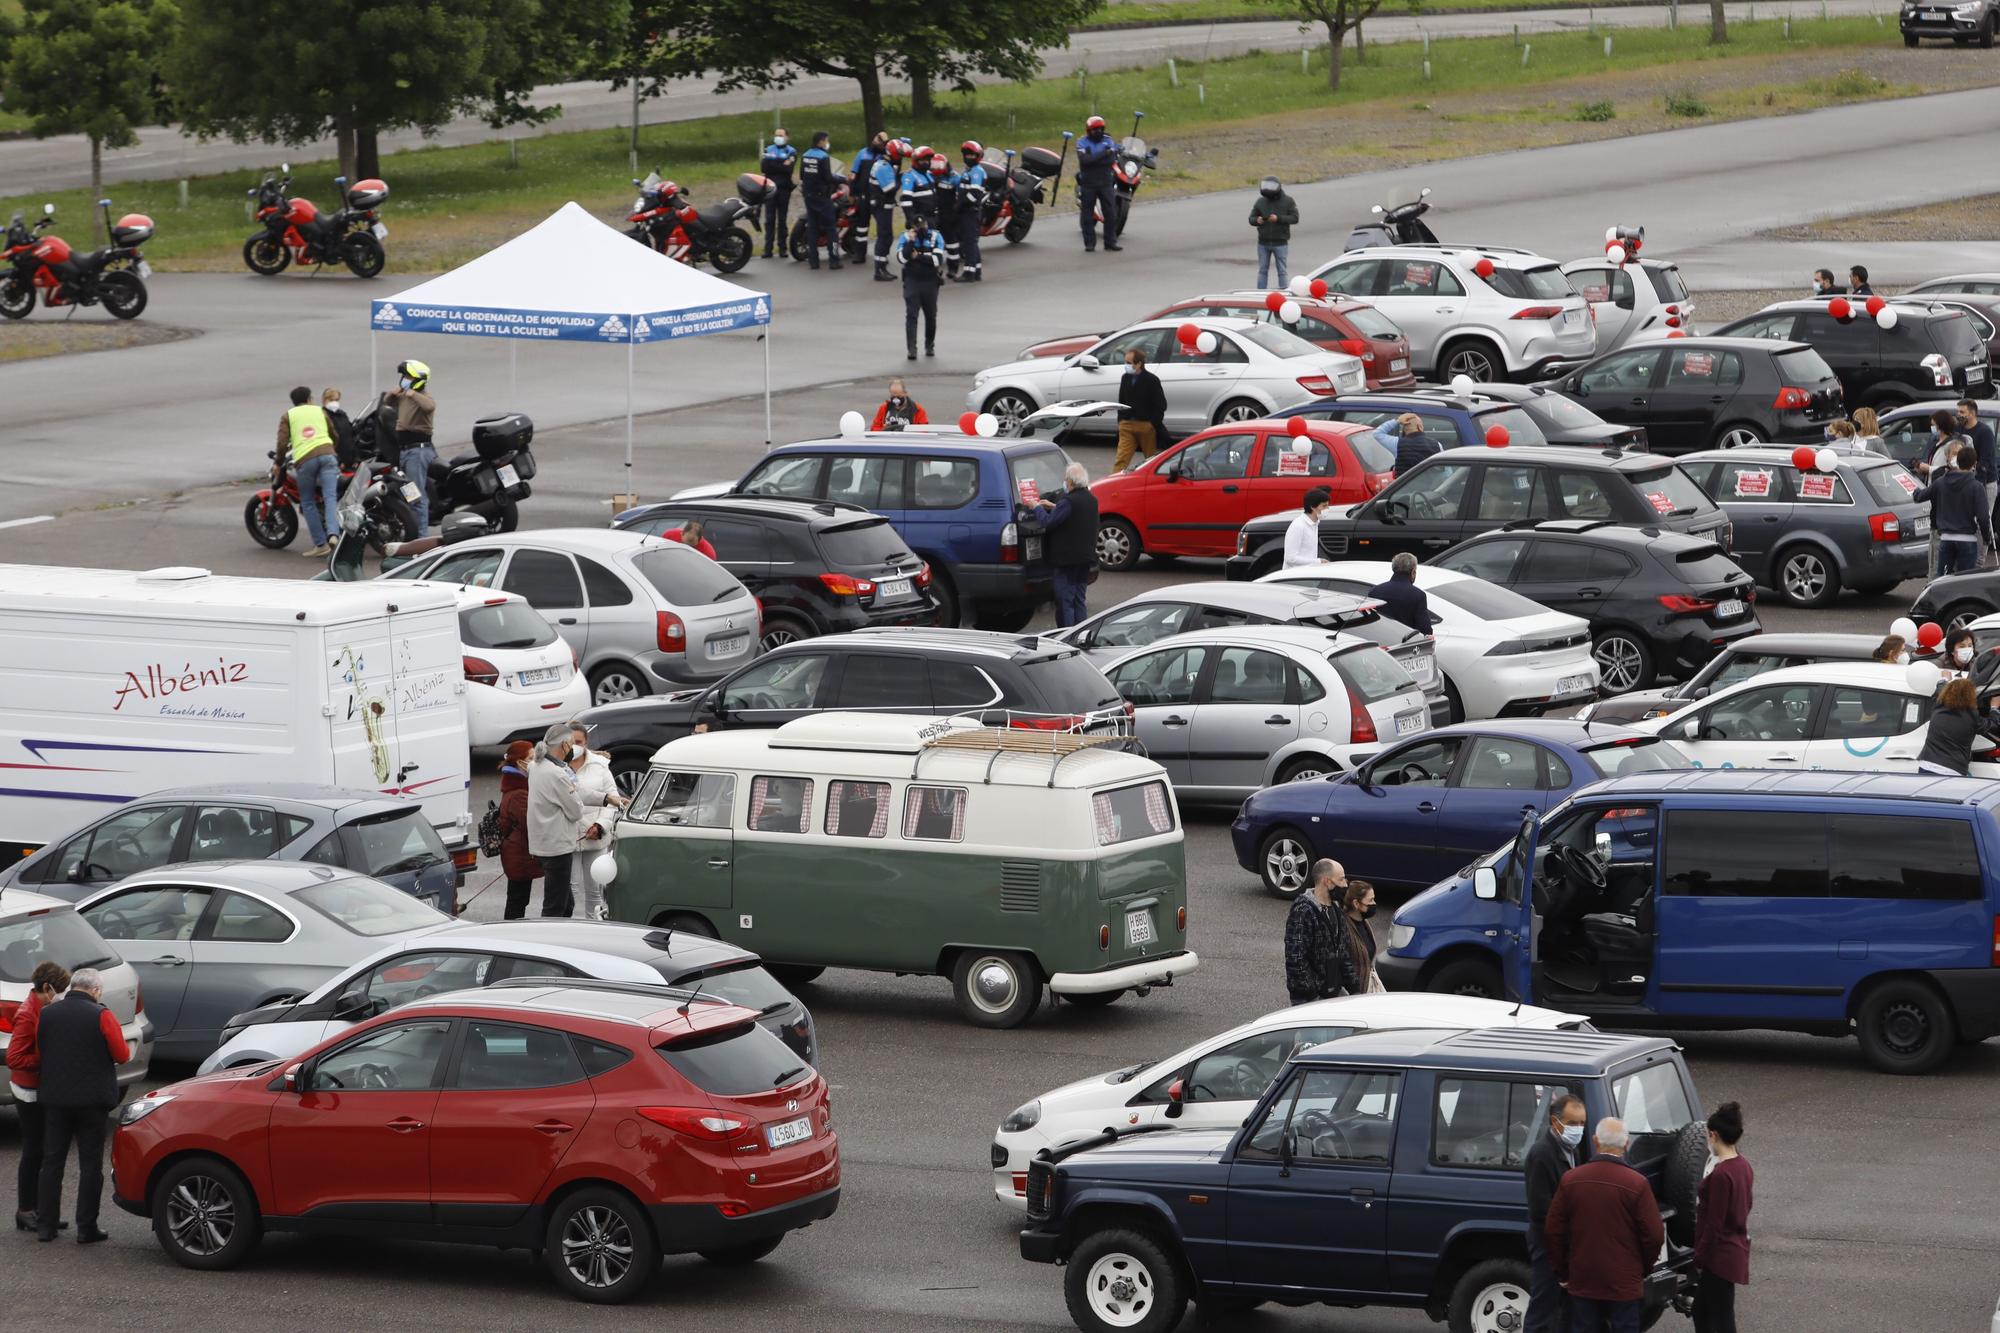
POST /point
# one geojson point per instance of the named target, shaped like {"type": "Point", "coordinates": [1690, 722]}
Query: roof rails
{"type": "Point", "coordinates": [1461, 245]}
{"type": "Point", "coordinates": [658, 990]}
{"type": "Point", "coordinates": [1575, 524]}
{"type": "Point", "coordinates": [1006, 738]}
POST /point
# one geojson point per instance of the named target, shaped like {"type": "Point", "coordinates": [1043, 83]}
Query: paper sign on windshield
{"type": "Point", "coordinates": [1753, 485]}
{"type": "Point", "coordinates": [1660, 501]}
{"type": "Point", "coordinates": [1292, 464]}
{"type": "Point", "coordinates": [1815, 487]}
{"type": "Point", "coordinates": [1030, 492]}
{"type": "Point", "coordinates": [1907, 482]}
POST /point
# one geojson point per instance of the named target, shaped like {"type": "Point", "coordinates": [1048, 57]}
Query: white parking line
{"type": "Point", "coordinates": [24, 522]}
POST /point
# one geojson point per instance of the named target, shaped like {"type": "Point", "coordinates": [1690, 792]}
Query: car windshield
{"type": "Point", "coordinates": [1650, 755]}
{"type": "Point", "coordinates": [1370, 322]}
{"type": "Point", "coordinates": [1043, 467]}
{"type": "Point", "coordinates": [369, 907]}
{"type": "Point", "coordinates": [392, 843]}
{"type": "Point", "coordinates": [1070, 683]}
{"type": "Point", "coordinates": [1520, 427]}
{"type": "Point", "coordinates": [1670, 491]}
{"type": "Point", "coordinates": [1278, 342]}
{"type": "Point", "coordinates": [1543, 283]}
{"type": "Point", "coordinates": [59, 936]}
{"type": "Point", "coordinates": [738, 981]}
{"type": "Point", "coordinates": [684, 576]}
{"type": "Point", "coordinates": [735, 1062]}
{"type": "Point", "coordinates": [1667, 284]}
{"type": "Point", "coordinates": [1560, 411]}
{"type": "Point", "coordinates": [1371, 673]}
{"type": "Point", "coordinates": [1487, 601]}
{"type": "Point", "coordinates": [1375, 456]}
{"type": "Point", "coordinates": [1802, 367]}
{"type": "Point", "coordinates": [867, 543]}
{"type": "Point", "coordinates": [504, 624]}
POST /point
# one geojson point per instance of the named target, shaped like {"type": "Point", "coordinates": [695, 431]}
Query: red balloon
{"type": "Point", "coordinates": [1840, 309]}
{"type": "Point", "coordinates": [1187, 333]}
{"type": "Point", "coordinates": [1805, 457]}
{"type": "Point", "coordinates": [968, 422]}
{"type": "Point", "coordinates": [1272, 300]}
{"type": "Point", "coordinates": [1874, 306]}
{"type": "Point", "coordinates": [1677, 333]}
{"type": "Point", "coordinates": [1930, 634]}
{"type": "Point", "coordinates": [1296, 426]}
{"type": "Point", "coordinates": [1484, 268]}
{"type": "Point", "coordinates": [1497, 436]}
{"type": "Point", "coordinates": [1318, 289]}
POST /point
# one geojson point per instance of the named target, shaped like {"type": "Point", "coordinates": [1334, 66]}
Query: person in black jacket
{"type": "Point", "coordinates": [1555, 1152]}
{"type": "Point", "coordinates": [1142, 412]}
{"type": "Point", "coordinates": [1318, 963]}
{"type": "Point", "coordinates": [1072, 526]}
{"type": "Point", "coordinates": [1956, 722]}
{"type": "Point", "coordinates": [82, 1047]}
{"type": "Point", "coordinates": [1964, 525]}
{"type": "Point", "coordinates": [1402, 600]}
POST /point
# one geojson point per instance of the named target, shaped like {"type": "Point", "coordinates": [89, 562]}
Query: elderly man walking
{"type": "Point", "coordinates": [1603, 1233]}
{"type": "Point", "coordinates": [81, 1047]}
{"type": "Point", "coordinates": [1072, 524]}
{"type": "Point", "coordinates": [555, 818]}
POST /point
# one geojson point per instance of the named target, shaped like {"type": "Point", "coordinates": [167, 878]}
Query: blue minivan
{"type": "Point", "coordinates": [1815, 902]}
{"type": "Point", "coordinates": [962, 502]}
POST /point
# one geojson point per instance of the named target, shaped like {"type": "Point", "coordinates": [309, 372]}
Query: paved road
{"type": "Point", "coordinates": [27, 166]}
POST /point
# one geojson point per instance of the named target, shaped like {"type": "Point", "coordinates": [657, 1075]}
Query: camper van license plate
{"type": "Point", "coordinates": [728, 647]}
{"type": "Point", "coordinates": [792, 1131]}
{"type": "Point", "coordinates": [410, 491]}
{"type": "Point", "coordinates": [1139, 927]}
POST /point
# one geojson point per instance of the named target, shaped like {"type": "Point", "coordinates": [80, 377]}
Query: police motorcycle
{"type": "Point", "coordinates": [1015, 190]}
{"type": "Point", "coordinates": [1129, 169]}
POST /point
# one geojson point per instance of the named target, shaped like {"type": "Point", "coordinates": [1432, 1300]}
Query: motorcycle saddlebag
{"type": "Point", "coordinates": [524, 466]}
{"type": "Point", "coordinates": [497, 436]}
{"type": "Point", "coordinates": [754, 189]}
{"type": "Point", "coordinates": [367, 194]}
{"type": "Point", "coordinates": [1040, 161]}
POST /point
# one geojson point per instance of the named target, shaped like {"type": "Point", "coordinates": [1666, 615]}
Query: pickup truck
{"type": "Point", "coordinates": [1382, 1169]}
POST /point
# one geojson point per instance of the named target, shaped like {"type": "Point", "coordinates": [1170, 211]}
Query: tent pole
{"type": "Point", "coordinates": [371, 360]}
{"type": "Point", "coordinates": [767, 388]}
{"type": "Point", "coordinates": [513, 372]}
{"type": "Point", "coordinates": [630, 348]}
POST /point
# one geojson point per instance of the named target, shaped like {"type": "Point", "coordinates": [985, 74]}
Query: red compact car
{"type": "Point", "coordinates": [600, 1123]}
{"type": "Point", "coordinates": [1192, 498]}
{"type": "Point", "coordinates": [1337, 323]}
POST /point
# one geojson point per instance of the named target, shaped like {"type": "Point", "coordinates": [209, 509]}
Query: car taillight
{"type": "Point", "coordinates": [1103, 938]}
{"type": "Point", "coordinates": [1010, 544]}
{"type": "Point", "coordinates": [1361, 730]}
{"type": "Point", "coordinates": [1791, 399]}
{"type": "Point", "coordinates": [1673, 310]}
{"type": "Point", "coordinates": [1318, 384]}
{"type": "Point", "coordinates": [1537, 312]}
{"type": "Point", "coordinates": [846, 585]}
{"type": "Point", "coordinates": [697, 1122]}
{"type": "Point", "coordinates": [924, 575]}
{"type": "Point", "coordinates": [575, 662]}
{"type": "Point", "coordinates": [1058, 722]}
{"type": "Point", "coordinates": [480, 671]}
{"type": "Point", "coordinates": [1885, 527]}
{"type": "Point", "coordinates": [465, 858]}
{"type": "Point", "coordinates": [1357, 347]}
{"type": "Point", "coordinates": [1673, 321]}
{"type": "Point", "coordinates": [1370, 482]}
{"type": "Point", "coordinates": [8, 1008]}
{"type": "Point", "coordinates": [673, 636]}
{"type": "Point", "coordinates": [1686, 606]}
{"type": "Point", "coordinates": [1180, 920]}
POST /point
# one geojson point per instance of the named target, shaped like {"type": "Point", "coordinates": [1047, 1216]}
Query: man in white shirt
{"type": "Point", "coordinates": [1302, 537]}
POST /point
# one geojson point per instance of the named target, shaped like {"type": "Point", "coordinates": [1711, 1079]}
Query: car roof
{"type": "Point", "coordinates": [896, 441]}
{"type": "Point", "coordinates": [640, 1005]}
{"type": "Point", "coordinates": [1820, 303]}
{"type": "Point", "coordinates": [1268, 598]}
{"type": "Point", "coordinates": [611, 540]}
{"type": "Point", "coordinates": [315, 795]}
{"type": "Point", "coordinates": [1026, 646]}
{"type": "Point", "coordinates": [15, 903]}
{"type": "Point", "coordinates": [1308, 639]}
{"type": "Point", "coordinates": [1811, 784]}
{"type": "Point", "coordinates": [1256, 295]}
{"type": "Point", "coordinates": [1731, 343]}
{"type": "Point", "coordinates": [1497, 1049]}
{"type": "Point", "coordinates": [1599, 529]}
{"type": "Point", "coordinates": [1410, 1009]}
{"type": "Point", "coordinates": [1807, 642]}
{"type": "Point", "coordinates": [1507, 256]}
{"type": "Point", "coordinates": [278, 877]}
{"type": "Point", "coordinates": [1568, 731]}
{"type": "Point", "coordinates": [559, 935]}
{"type": "Point", "coordinates": [1411, 399]}
{"type": "Point", "coordinates": [1434, 575]}
{"type": "Point", "coordinates": [1957, 277]}
{"type": "Point", "coordinates": [1775, 453]}
{"type": "Point", "coordinates": [1874, 675]}
{"type": "Point", "coordinates": [1210, 321]}
{"type": "Point", "coordinates": [787, 508]}
{"type": "Point", "coordinates": [1568, 455]}
{"type": "Point", "coordinates": [1922, 407]}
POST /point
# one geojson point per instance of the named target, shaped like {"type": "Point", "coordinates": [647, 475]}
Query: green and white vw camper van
{"type": "Point", "coordinates": [1002, 858]}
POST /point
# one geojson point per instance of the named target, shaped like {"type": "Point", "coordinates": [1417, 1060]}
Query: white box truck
{"type": "Point", "coordinates": [115, 683]}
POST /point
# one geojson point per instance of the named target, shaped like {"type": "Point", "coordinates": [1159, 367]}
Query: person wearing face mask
{"type": "Point", "coordinates": [899, 410]}
{"type": "Point", "coordinates": [1722, 1225]}
{"type": "Point", "coordinates": [1956, 723]}
{"type": "Point", "coordinates": [416, 413]}
{"type": "Point", "coordinates": [1955, 657]}
{"type": "Point", "coordinates": [862, 177]}
{"type": "Point", "coordinates": [777, 162]}
{"type": "Point", "coordinates": [1274, 214]}
{"type": "Point", "coordinates": [921, 254]}
{"type": "Point", "coordinates": [1554, 1154]}
{"type": "Point", "coordinates": [1357, 903]}
{"type": "Point", "coordinates": [1960, 514]}
{"type": "Point", "coordinates": [971, 208]}
{"type": "Point", "coordinates": [1892, 651]}
{"type": "Point", "coordinates": [883, 183]}
{"type": "Point", "coordinates": [344, 447]}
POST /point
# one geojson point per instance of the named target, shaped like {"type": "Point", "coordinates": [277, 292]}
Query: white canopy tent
{"type": "Point", "coordinates": [572, 277]}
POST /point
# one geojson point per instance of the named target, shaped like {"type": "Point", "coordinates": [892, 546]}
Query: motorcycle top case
{"type": "Point", "coordinates": [497, 436]}
{"type": "Point", "coordinates": [368, 194]}
{"type": "Point", "coordinates": [754, 189]}
{"type": "Point", "coordinates": [132, 229]}
{"type": "Point", "coordinates": [1040, 161]}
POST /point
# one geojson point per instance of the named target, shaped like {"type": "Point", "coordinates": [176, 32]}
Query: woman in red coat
{"type": "Point", "coordinates": [24, 1071]}
{"type": "Point", "coordinates": [521, 866]}
{"type": "Point", "coordinates": [1722, 1226]}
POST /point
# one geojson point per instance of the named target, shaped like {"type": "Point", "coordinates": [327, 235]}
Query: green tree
{"type": "Point", "coordinates": [89, 67]}
{"type": "Point", "coordinates": [1718, 23]}
{"type": "Point", "coordinates": [1338, 18]}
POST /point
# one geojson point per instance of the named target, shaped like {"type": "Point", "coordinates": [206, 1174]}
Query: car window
{"type": "Point", "coordinates": [1240, 1071]}
{"type": "Point", "coordinates": [1744, 854]}
{"type": "Point", "coordinates": [502, 1055]}
{"type": "Point", "coordinates": [795, 476]}
{"type": "Point", "coordinates": [369, 907]}
{"type": "Point", "coordinates": [1333, 1116]}
{"type": "Point", "coordinates": [1855, 713]}
{"type": "Point", "coordinates": [1521, 428]}
{"type": "Point", "coordinates": [1510, 494]}
{"type": "Point", "coordinates": [546, 578]}
{"type": "Point", "coordinates": [1890, 856]}
{"type": "Point", "coordinates": [1228, 351]}
{"type": "Point", "coordinates": [731, 538]}
{"type": "Point", "coordinates": [1544, 282]}
{"type": "Point", "coordinates": [1041, 468]}
{"type": "Point", "coordinates": [57, 935]}
{"type": "Point", "coordinates": [944, 483]}
{"type": "Point", "coordinates": [1889, 485]}
{"type": "Point", "coordinates": [1850, 337]}
{"type": "Point", "coordinates": [1488, 1122]}
{"type": "Point", "coordinates": [1698, 370]}
{"type": "Point", "coordinates": [1355, 277]}
{"type": "Point", "coordinates": [857, 809]}
{"type": "Point", "coordinates": [869, 541]}
{"type": "Point", "coordinates": [125, 844]}
{"type": "Point", "coordinates": [1776, 713]}
{"type": "Point", "coordinates": [1499, 764]}
{"type": "Point", "coordinates": [400, 1055]}
{"type": "Point", "coordinates": [1621, 372]}
{"type": "Point", "coordinates": [781, 805]}
{"type": "Point", "coordinates": [1604, 284]}
{"type": "Point", "coordinates": [1582, 495]}
{"type": "Point", "coordinates": [599, 1057]}
{"type": "Point", "coordinates": [1493, 561]}
{"type": "Point", "coordinates": [394, 843]}
{"type": "Point", "coordinates": [689, 800]}
{"type": "Point", "coordinates": [885, 680]}
{"type": "Point", "coordinates": [1823, 488]}
{"type": "Point", "coordinates": [291, 828]}
{"type": "Point", "coordinates": [1667, 284]}
{"type": "Point", "coordinates": [1616, 759]}
{"type": "Point", "coordinates": [934, 814]}
{"type": "Point", "coordinates": [1552, 561]}
{"type": "Point", "coordinates": [1371, 674]}
{"type": "Point", "coordinates": [1777, 325]}
{"type": "Point", "coordinates": [1670, 492]}
{"type": "Point", "coordinates": [1279, 342]}
{"type": "Point", "coordinates": [412, 976]}
{"type": "Point", "coordinates": [683, 576]}
{"type": "Point", "coordinates": [1421, 277]}
{"type": "Point", "coordinates": [327, 851]}
{"type": "Point", "coordinates": [788, 682]}
{"type": "Point", "coordinates": [860, 480]}
{"type": "Point", "coordinates": [1425, 764]}
{"type": "Point", "coordinates": [1652, 1101]}
{"type": "Point", "coordinates": [1738, 667]}
{"type": "Point", "coordinates": [156, 912]}
{"type": "Point", "coordinates": [1163, 677]}
{"type": "Point", "coordinates": [474, 569]}
{"type": "Point", "coordinates": [601, 586]}
{"type": "Point", "coordinates": [1223, 458]}
{"type": "Point", "coordinates": [1248, 676]}
{"type": "Point", "coordinates": [1283, 458]}
{"type": "Point", "coordinates": [504, 623]}
{"type": "Point", "coordinates": [735, 1062]}
{"type": "Point", "coordinates": [1750, 483]}
{"type": "Point", "coordinates": [1137, 626]}
{"type": "Point", "coordinates": [1803, 366]}
{"type": "Point", "coordinates": [961, 685]}
{"type": "Point", "coordinates": [1436, 491]}
{"type": "Point", "coordinates": [1129, 813]}
{"type": "Point", "coordinates": [241, 919]}
{"type": "Point", "coordinates": [1112, 350]}
{"type": "Point", "coordinates": [232, 833]}
{"type": "Point", "coordinates": [1307, 685]}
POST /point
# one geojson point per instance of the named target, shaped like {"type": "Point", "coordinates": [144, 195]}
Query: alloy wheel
{"type": "Point", "coordinates": [615, 687]}
{"type": "Point", "coordinates": [1010, 409]}
{"type": "Point", "coordinates": [1239, 412]}
{"type": "Point", "coordinates": [1114, 546]}
{"type": "Point", "coordinates": [1804, 577]}
{"type": "Point", "coordinates": [1285, 865]}
{"type": "Point", "coordinates": [201, 1215]}
{"type": "Point", "coordinates": [1620, 661]}
{"type": "Point", "coordinates": [1738, 437]}
{"type": "Point", "coordinates": [597, 1246]}
{"type": "Point", "coordinates": [1472, 361]}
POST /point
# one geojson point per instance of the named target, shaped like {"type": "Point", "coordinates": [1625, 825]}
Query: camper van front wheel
{"type": "Point", "coordinates": [995, 988]}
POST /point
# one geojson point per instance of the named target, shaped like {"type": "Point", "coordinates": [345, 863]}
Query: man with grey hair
{"type": "Point", "coordinates": [555, 819]}
{"type": "Point", "coordinates": [82, 1047]}
{"type": "Point", "coordinates": [1072, 538]}
{"type": "Point", "coordinates": [1318, 964]}
{"type": "Point", "coordinates": [1402, 600]}
{"type": "Point", "coordinates": [1603, 1234]}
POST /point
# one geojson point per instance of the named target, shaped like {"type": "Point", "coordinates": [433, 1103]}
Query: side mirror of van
{"type": "Point", "coordinates": [1485, 884]}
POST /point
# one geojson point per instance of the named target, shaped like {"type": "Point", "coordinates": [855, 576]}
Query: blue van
{"type": "Point", "coordinates": [956, 500]}
{"type": "Point", "coordinates": [1815, 902]}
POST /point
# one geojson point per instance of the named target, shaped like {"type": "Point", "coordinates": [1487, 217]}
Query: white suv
{"type": "Point", "coordinates": [1522, 321]}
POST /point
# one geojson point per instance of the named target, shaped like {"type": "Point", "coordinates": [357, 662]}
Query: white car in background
{"type": "Point", "coordinates": [521, 676]}
{"type": "Point", "coordinates": [34, 929]}
{"type": "Point", "coordinates": [1642, 300]}
{"type": "Point", "coordinates": [1217, 1081]}
{"type": "Point", "coordinates": [1254, 371]}
{"type": "Point", "coordinates": [1502, 655]}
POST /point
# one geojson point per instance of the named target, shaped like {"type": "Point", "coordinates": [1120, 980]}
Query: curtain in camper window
{"type": "Point", "coordinates": [934, 814]}
{"type": "Point", "coordinates": [781, 805]}
{"type": "Point", "coordinates": [857, 809]}
{"type": "Point", "coordinates": [1132, 812]}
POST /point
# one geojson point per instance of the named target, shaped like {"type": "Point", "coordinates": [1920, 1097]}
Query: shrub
{"type": "Point", "coordinates": [1686, 102]}
{"type": "Point", "coordinates": [1596, 111]}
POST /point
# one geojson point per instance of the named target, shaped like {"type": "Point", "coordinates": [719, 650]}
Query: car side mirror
{"type": "Point", "coordinates": [1701, 692]}
{"type": "Point", "coordinates": [293, 1079]}
{"type": "Point", "coordinates": [353, 1005]}
{"type": "Point", "coordinates": [1085, 361]}
{"type": "Point", "coordinates": [1577, 387]}
{"type": "Point", "coordinates": [1176, 1099]}
{"type": "Point", "coordinates": [1485, 884]}
{"type": "Point", "coordinates": [1691, 729]}
{"type": "Point", "coordinates": [1394, 511]}
{"type": "Point", "coordinates": [1170, 472]}
{"type": "Point", "coordinates": [1288, 1148]}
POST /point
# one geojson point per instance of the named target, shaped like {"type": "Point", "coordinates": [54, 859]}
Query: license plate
{"type": "Point", "coordinates": [792, 1131]}
{"type": "Point", "coordinates": [1399, 364]}
{"type": "Point", "coordinates": [728, 647]}
{"type": "Point", "coordinates": [410, 491]}
{"type": "Point", "coordinates": [1408, 724]}
{"type": "Point", "coordinates": [541, 676]}
{"type": "Point", "coordinates": [1139, 927]}
{"type": "Point", "coordinates": [1974, 374]}
{"type": "Point", "coordinates": [890, 590]}
{"type": "Point", "coordinates": [1573, 684]}
{"type": "Point", "coordinates": [1572, 318]}
{"type": "Point", "coordinates": [145, 269]}
{"type": "Point", "coordinates": [1728, 607]}
{"type": "Point", "coordinates": [1922, 526]}
{"type": "Point", "coordinates": [1034, 548]}
{"type": "Point", "coordinates": [1423, 668]}
{"type": "Point", "coordinates": [381, 232]}
{"type": "Point", "coordinates": [508, 476]}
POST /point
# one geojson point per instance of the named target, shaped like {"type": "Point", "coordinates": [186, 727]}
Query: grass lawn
{"type": "Point", "coordinates": [449, 204]}
{"type": "Point", "coordinates": [1198, 11]}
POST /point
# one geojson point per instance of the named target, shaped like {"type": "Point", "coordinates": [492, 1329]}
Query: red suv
{"type": "Point", "coordinates": [1191, 499]}
{"type": "Point", "coordinates": [600, 1123]}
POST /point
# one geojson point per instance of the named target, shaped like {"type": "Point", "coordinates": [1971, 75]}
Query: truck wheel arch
{"type": "Point", "coordinates": [1463, 1247]}
{"type": "Point", "coordinates": [1126, 1210]}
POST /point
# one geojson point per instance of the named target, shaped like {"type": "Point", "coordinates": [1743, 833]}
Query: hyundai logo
{"type": "Point", "coordinates": [792, 1105]}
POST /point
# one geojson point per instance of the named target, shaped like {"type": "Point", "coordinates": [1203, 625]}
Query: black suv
{"type": "Point", "coordinates": [1019, 680]}
{"type": "Point", "coordinates": [816, 567]}
{"type": "Point", "coordinates": [1881, 367]}
{"type": "Point", "coordinates": [1741, 660]}
{"type": "Point", "coordinates": [1694, 393]}
{"type": "Point", "coordinates": [1461, 492]}
{"type": "Point", "coordinates": [1962, 23]}
{"type": "Point", "coordinates": [1656, 601]}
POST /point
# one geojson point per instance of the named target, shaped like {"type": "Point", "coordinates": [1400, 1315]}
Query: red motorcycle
{"type": "Point", "coordinates": [848, 213]}
{"type": "Point", "coordinates": [272, 514]}
{"type": "Point", "coordinates": [1012, 196]}
{"type": "Point", "coordinates": [295, 232]}
{"type": "Point", "coordinates": [113, 276]}
{"type": "Point", "coordinates": [664, 219]}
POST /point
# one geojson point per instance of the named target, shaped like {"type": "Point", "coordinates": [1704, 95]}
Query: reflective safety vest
{"type": "Point", "coordinates": [310, 430]}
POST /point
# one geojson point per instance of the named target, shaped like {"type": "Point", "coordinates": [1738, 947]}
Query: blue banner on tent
{"type": "Point", "coordinates": [393, 316]}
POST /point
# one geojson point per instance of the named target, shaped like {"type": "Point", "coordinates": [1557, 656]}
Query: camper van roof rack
{"type": "Point", "coordinates": [1012, 732]}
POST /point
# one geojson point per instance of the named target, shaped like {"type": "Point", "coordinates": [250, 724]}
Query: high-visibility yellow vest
{"type": "Point", "coordinates": [310, 429]}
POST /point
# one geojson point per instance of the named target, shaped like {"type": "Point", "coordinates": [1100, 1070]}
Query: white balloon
{"type": "Point", "coordinates": [1464, 384]}
{"type": "Point", "coordinates": [1922, 676]}
{"type": "Point", "coordinates": [1610, 234]}
{"type": "Point", "coordinates": [1616, 254]}
{"type": "Point", "coordinates": [1904, 628]}
{"type": "Point", "coordinates": [1204, 342]}
{"type": "Point", "coordinates": [1886, 317]}
{"type": "Point", "coordinates": [1289, 312]}
{"type": "Point", "coordinates": [1468, 257]}
{"type": "Point", "coordinates": [1302, 286]}
{"type": "Point", "coordinates": [604, 866]}
{"type": "Point", "coordinates": [1826, 460]}
{"type": "Point", "coordinates": [852, 424]}
{"type": "Point", "coordinates": [986, 425]}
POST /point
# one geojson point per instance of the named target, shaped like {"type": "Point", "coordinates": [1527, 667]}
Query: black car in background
{"type": "Point", "coordinates": [1009, 680]}
{"type": "Point", "coordinates": [1956, 600]}
{"type": "Point", "coordinates": [1657, 601]}
{"type": "Point", "coordinates": [816, 567]}
{"type": "Point", "coordinates": [1881, 367]}
{"type": "Point", "coordinates": [1564, 420]}
{"type": "Point", "coordinates": [1457, 493]}
{"type": "Point", "coordinates": [1698, 393]}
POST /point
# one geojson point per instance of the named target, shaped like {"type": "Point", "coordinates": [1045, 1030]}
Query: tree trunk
{"type": "Point", "coordinates": [97, 185]}
{"type": "Point", "coordinates": [872, 116]}
{"type": "Point", "coordinates": [1360, 51]}
{"type": "Point", "coordinates": [343, 146]}
{"type": "Point", "coordinates": [367, 154]}
{"type": "Point", "coordinates": [1333, 58]}
{"type": "Point", "coordinates": [920, 92]}
{"type": "Point", "coordinates": [1718, 23]}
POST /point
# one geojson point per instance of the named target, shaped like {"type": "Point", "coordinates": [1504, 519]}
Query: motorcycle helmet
{"type": "Point", "coordinates": [939, 167]}
{"type": "Point", "coordinates": [416, 375]}
{"type": "Point", "coordinates": [923, 154]}
{"type": "Point", "coordinates": [1094, 123]}
{"type": "Point", "coordinates": [973, 152]}
{"type": "Point", "coordinates": [895, 150]}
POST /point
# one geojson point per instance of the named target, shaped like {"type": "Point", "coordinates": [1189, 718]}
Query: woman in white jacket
{"type": "Point", "coordinates": [598, 790]}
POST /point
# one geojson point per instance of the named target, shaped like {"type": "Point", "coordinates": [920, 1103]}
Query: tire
{"type": "Point", "coordinates": [600, 1248]}
{"type": "Point", "coordinates": [950, 611]}
{"type": "Point", "coordinates": [996, 988]}
{"type": "Point", "coordinates": [628, 770]}
{"type": "Point", "coordinates": [1124, 1280]}
{"type": "Point", "coordinates": [1019, 224]}
{"type": "Point", "coordinates": [1905, 1027]}
{"type": "Point", "coordinates": [1453, 702]}
{"type": "Point", "coordinates": [1467, 976]}
{"type": "Point", "coordinates": [1986, 33]}
{"type": "Point", "coordinates": [1011, 406]}
{"type": "Point", "coordinates": [122, 293]}
{"type": "Point", "coordinates": [797, 244]}
{"type": "Point", "coordinates": [1909, 40]}
{"type": "Point", "coordinates": [1956, 618]}
{"type": "Point", "coordinates": [1484, 1295]}
{"type": "Point", "coordinates": [1625, 660]}
{"type": "Point", "coordinates": [363, 255]}
{"type": "Point", "coordinates": [205, 1214]}
{"type": "Point", "coordinates": [1680, 1179]}
{"type": "Point", "coordinates": [1124, 212]}
{"type": "Point", "coordinates": [1118, 545]}
{"type": "Point", "coordinates": [1806, 575]}
{"type": "Point", "coordinates": [267, 255]}
{"type": "Point", "coordinates": [688, 924]}
{"type": "Point", "coordinates": [17, 300]}
{"type": "Point", "coordinates": [400, 518]}
{"type": "Point", "coordinates": [272, 526]}
{"type": "Point", "coordinates": [790, 975]}
{"type": "Point", "coordinates": [1738, 435]}
{"type": "Point", "coordinates": [731, 250]}
{"type": "Point", "coordinates": [780, 630]}
{"type": "Point", "coordinates": [1470, 356]}
{"type": "Point", "coordinates": [1284, 859]}
{"type": "Point", "coordinates": [616, 682]}
{"type": "Point", "coordinates": [1307, 768]}
{"type": "Point", "coordinates": [1239, 409]}
{"type": "Point", "coordinates": [736, 1256]}
{"type": "Point", "coordinates": [1097, 999]}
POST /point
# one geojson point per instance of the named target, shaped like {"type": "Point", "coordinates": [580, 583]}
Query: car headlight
{"type": "Point", "coordinates": [1022, 1118]}
{"type": "Point", "coordinates": [131, 1113]}
{"type": "Point", "coordinates": [1400, 935]}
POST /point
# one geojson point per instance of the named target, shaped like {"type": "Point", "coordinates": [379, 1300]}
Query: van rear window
{"type": "Point", "coordinates": [1130, 813]}
{"type": "Point", "coordinates": [736, 1062]}
{"type": "Point", "coordinates": [1889, 856]}
{"type": "Point", "coordinates": [1043, 467]}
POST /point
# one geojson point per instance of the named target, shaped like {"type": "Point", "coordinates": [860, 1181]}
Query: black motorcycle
{"type": "Point", "coordinates": [665, 219]}
{"type": "Point", "coordinates": [1396, 224]}
{"type": "Point", "coordinates": [491, 481]}
{"type": "Point", "coordinates": [1011, 200]}
{"type": "Point", "coordinates": [369, 521]}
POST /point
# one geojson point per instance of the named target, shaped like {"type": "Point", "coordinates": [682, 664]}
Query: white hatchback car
{"type": "Point", "coordinates": [1502, 655]}
{"type": "Point", "coordinates": [1254, 371]}
{"type": "Point", "coordinates": [1522, 321]}
{"type": "Point", "coordinates": [1215, 1082]}
{"type": "Point", "coordinates": [34, 928]}
{"type": "Point", "coordinates": [1640, 301]}
{"type": "Point", "coordinates": [520, 675]}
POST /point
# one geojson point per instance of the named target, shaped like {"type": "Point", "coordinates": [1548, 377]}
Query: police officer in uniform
{"type": "Point", "coordinates": [971, 209]}
{"type": "Point", "coordinates": [1096, 152]}
{"type": "Point", "coordinates": [921, 254]}
{"type": "Point", "coordinates": [944, 187]}
{"type": "Point", "coordinates": [919, 194]}
{"type": "Point", "coordinates": [884, 183]}
{"type": "Point", "coordinates": [779, 157]}
{"type": "Point", "coordinates": [816, 184]}
{"type": "Point", "coordinates": [860, 178]}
